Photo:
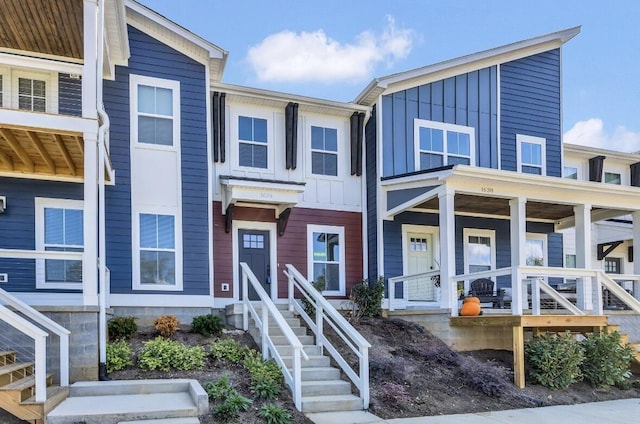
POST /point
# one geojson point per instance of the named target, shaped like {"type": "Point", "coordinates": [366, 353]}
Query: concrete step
{"type": "Point", "coordinates": [326, 388]}
{"type": "Point", "coordinates": [320, 374]}
{"type": "Point", "coordinates": [111, 402]}
{"type": "Point", "coordinates": [286, 350]}
{"type": "Point", "coordinates": [281, 340]}
{"type": "Point", "coordinates": [292, 321]}
{"type": "Point", "coordinates": [331, 403]}
{"type": "Point", "coordinates": [313, 361]}
{"type": "Point", "coordinates": [189, 420]}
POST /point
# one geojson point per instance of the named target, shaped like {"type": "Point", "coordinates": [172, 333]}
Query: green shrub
{"type": "Point", "coordinates": [118, 355]}
{"type": "Point", "coordinates": [164, 354]}
{"type": "Point", "coordinates": [207, 325]}
{"type": "Point", "coordinates": [166, 325]}
{"type": "Point", "coordinates": [122, 327]}
{"type": "Point", "coordinates": [554, 361]}
{"type": "Point", "coordinates": [274, 414]}
{"type": "Point", "coordinates": [607, 362]}
{"type": "Point", "coordinates": [220, 389]}
{"type": "Point", "coordinates": [229, 401]}
{"type": "Point", "coordinates": [261, 370]}
{"type": "Point", "coordinates": [366, 298]}
{"type": "Point", "coordinates": [266, 389]}
{"type": "Point", "coordinates": [307, 305]}
{"type": "Point", "coordinates": [228, 350]}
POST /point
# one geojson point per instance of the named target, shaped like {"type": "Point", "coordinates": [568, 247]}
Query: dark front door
{"type": "Point", "coordinates": [253, 248]}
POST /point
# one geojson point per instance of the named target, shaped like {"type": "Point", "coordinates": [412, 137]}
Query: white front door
{"type": "Point", "coordinates": [419, 258]}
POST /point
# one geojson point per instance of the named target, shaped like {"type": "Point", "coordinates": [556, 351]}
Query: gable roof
{"type": "Point", "coordinates": [419, 76]}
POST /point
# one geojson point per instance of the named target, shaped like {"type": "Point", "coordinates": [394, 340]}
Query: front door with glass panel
{"type": "Point", "coordinates": [420, 259]}
{"type": "Point", "coordinates": [253, 246]}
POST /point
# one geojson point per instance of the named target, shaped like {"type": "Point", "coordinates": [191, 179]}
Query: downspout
{"type": "Point", "coordinates": [103, 127]}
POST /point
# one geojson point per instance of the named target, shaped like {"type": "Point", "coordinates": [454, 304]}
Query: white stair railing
{"type": "Point", "coordinates": [392, 302]}
{"type": "Point", "coordinates": [326, 313]}
{"type": "Point", "coordinates": [269, 311]}
{"type": "Point", "coordinates": [619, 292]}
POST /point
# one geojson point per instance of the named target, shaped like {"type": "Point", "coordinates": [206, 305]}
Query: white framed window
{"type": "Point", "coordinates": [612, 178]}
{"type": "Point", "coordinates": [570, 172]}
{"type": "Point", "coordinates": [531, 154]}
{"type": "Point", "coordinates": [155, 112]}
{"type": "Point", "coordinates": [253, 142]}
{"type": "Point", "coordinates": [27, 90]}
{"type": "Point", "coordinates": [439, 144]}
{"type": "Point", "coordinates": [613, 265]}
{"type": "Point", "coordinates": [326, 257]}
{"type": "Point", "coordinates": [536, 250]}
{"type": "Point", "coordinates": [324, 151]}
{"type": "Point", "coordinates": [59, 228]}
{"type": "Point", "coordinates": [570, 260]}
{"type": "Point", "coordinates": [479, 250]}
{"type": "Point", "coordinates": [157, 255]}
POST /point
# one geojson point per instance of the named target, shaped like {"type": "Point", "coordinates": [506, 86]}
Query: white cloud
{"type": "Point", "coordinates": [592, 133]}
{"type": "Point", "coordinates": [314, 56]}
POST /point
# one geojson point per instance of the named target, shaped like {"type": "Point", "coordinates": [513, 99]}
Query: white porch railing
{"type": "Point", "coordinates": [423, 278]}
{"type": "Point", "coordinates": [326, 313]}
{"type": "Point", "coordinates": [268, 311]}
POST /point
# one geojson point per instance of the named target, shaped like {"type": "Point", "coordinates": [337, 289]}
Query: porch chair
{"type": "Point", "coordinates": [482, 288]}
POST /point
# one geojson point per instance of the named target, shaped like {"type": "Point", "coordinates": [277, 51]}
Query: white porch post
{"type": "Point", "coordinates": [583, 255]}
{"type": "Point", "coordinates": [518, 225]}
{"type": "Point", "coordinates": [449, 292]}
{"type": "Point", "coordinates": [90, 221]}
{"type": "Point", "coordinates": [636, 252]}
{"type": "Point", "coordinates": [90, 54]}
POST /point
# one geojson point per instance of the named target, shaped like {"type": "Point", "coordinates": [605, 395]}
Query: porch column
{"type": "Point", "coordinates": [90, 221]}
{"type": "Point", "coordinates": [636, 252]}
{"type": "Point", "coordinates": [90, 66]}
{"type": "Point", "coordinates": [518, 226]}
{"type": "Point", "coordinates": [583, 255]}
{"type": "Point", "coordinates": [449, 290]}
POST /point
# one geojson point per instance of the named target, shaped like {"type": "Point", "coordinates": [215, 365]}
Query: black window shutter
{"type": "Point", "coordinates": [288, 123]}
{"type": "Point", "coordinates": [222, 125]}
{"type": "Point", "coordinates": [294, 137]}
{"type": "Point", "coordinates": [353, 142]}
{"type": "Point", "coordinates": [635, 174]}
{"type": "Point", "coordinates": [359, 144]}
{"type": "Point", "coordinates": [215, 128]}
{"type": "Point", "coordinates": [596, 165]}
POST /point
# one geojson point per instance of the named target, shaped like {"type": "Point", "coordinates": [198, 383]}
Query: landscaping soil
{"type": "Point", "coordinates": [412, 373]}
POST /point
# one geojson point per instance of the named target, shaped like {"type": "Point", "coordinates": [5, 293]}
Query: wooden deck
{"type": "Point", "coordinates": [534, 323]}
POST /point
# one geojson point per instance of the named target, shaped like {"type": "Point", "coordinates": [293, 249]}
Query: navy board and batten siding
{"type": "Point", "coordinates": [150, 57]}
{"type": "Point", "coordinates": [530, 105]}
{"type": "Point", "coordinates": [69, 95]}
{"type": "Point", "coordinates": [469, 99]}
{"type": "Point", "coordinates": [394, 249]}
{"type": "Point", "coordinates": [18, 225]}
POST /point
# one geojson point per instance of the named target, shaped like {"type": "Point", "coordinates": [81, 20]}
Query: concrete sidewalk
{"type": "Point", "coordinates": [623, 411]}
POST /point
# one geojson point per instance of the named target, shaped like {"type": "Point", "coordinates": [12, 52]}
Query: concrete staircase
{"type": "Point", "coordinates": [17, 390]}
{"type": "Point", "coordinates": [114, 402]}
{"type": "Point", "coordinates": [322, 388]}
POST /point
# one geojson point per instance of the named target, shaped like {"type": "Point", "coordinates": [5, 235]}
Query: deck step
{"type": "Point", "coordinates": [331, 403]}
{"type": "Point", "coordinates": [7, 357]}
{"type": "Point", "coordinates": [12, 372]}
{"type": "Point", "coordinates": [55, 395]}
{"type": "Point", "coordinates": [25, 387]}
{"type": "Point", "coordinates": [326, 388]}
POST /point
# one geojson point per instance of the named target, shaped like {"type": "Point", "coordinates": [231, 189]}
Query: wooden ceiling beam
{"type": "Point", "coordinates": [80, 143]}
{"type": "Point", "coordinates": [18, 149]}
{"type": "Point", "coordinates": [43, 151]}
{"type": "Point", "coordinates": [65, 154]}
{"type": "Point", "coordinates": [4, 158]}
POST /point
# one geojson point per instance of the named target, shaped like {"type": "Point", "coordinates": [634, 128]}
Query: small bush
{"type": "Point", "coordinates": [118, 355]}
{"type": "Point", "coordinates": [366, 298]}
{"type": "Point", "coordinates": [260, 370]}
{"type": "Point", "coordinates": [607, 362]}
{"type": "Point", "coordinates": [487, 377]}
{"type": "Point", "coordinates": [274, 414]}
{"type": "Point", "coordinates": [228, 350]}
{"type": "Point", "coordinates": [166, 325]}
{"type": "Point", "coordinates": [266, 389]}
{"type": "Point", "coordinates": [307, 305]}
{"type": "Point", "coordinates": [164, 354]}
{"type": "Point", "coordinates": [207, 325]}
{"type": "Point", "coordinates": [395, 394]}
{"type": "Point", "coordinates": [122, 327]}
{"type": "Point", "coordinates": [554, 360]}
{"type": "Point", "coordinates": [229, 401]}
{"type": "Point", "coordinates": [220, 389]}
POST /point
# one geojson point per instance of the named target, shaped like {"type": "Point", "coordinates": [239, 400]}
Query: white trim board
{"type": "Point", "coordinates": [160, 300]}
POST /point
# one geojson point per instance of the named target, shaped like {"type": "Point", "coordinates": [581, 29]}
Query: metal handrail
{"type": "Point", "coordinates": [293, 378]}
{"type": "Point", "coordinates": [325, 312]}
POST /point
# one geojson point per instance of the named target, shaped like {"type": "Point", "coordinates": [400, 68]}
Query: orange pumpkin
{"type": "Point", "coordinates": [470, 307]}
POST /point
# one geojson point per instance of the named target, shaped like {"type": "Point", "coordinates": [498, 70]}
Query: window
{"type": "Point", "coordinates": [59, 224]}
{"type": "Point", "coordinates": [570, 172]}
{"type": "Point", "coordinates": [324, 151]}
{"type": "Point", "coordinates": [253, 241]}
{"type": "Point", "coordinates": [612, 265]}
{"type": "Point", "coordinates": [157, 250]}
{"type": "Point", "coordinates": [612, 178]}
{"type": "Point", "coordinates": [570, 261]}
{"type": "Point", "coordinates": [438, 144]}
{"type": "Point", "coordinates": [252, 133]}
{"type": "Point", "coordinates": [32, 95]}
{"type": "Point", "coordinates": [479, 250]}
{"type": "Point", "coordinates": [531, 154]}
{"type": "Point", "coordinates": [326, 257]}
{"type": "Point", "coordinates": [155, 111]}
{"type": "Point", "coordinates": [418, 244]}
{"type": "Point", "coordinates": [535, 251]}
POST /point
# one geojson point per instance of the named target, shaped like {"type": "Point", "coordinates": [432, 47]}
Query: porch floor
{"type": "Point", "coordinates": [534, 323]}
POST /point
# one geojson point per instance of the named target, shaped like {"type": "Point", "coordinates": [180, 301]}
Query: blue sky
{"type": "Point", "coordinates": [334, 48]}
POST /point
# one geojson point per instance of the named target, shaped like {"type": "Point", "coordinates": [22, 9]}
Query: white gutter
{"type": "Point", "coordinates": [103, 119]}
